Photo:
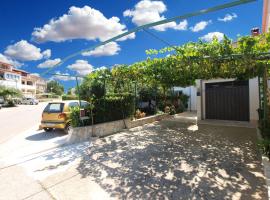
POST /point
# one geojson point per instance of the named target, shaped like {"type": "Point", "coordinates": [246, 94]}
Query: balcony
{"type": "Point", "coordinates": [28, 87]}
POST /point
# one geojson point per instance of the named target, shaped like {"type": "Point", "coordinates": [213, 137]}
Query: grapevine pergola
{"type": "Point", "coordinates": [199, 60]}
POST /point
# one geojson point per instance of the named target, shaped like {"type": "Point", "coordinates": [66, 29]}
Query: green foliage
{"type": "Point", "coordinates": [55, 87]}
{"type": "Point", "coordinates": [155, 76]}
{"type": "Point", "coordinates": [7, 92]}
{"type": "Point", "coordinates": [75, 117]}
{"type": "Point", "coordinates": [10, 103]}
{"type": "Point", "coordinates": [264, 146]}
{"type": "Point", "coordinates": [113, 107]}
{"type": "Point", "coordinates": [69, 97]}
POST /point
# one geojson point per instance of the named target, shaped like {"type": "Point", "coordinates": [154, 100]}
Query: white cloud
{"type": "Point", "coordinates": [109, 49]}
{"type": "Point", "coordinates": [130, 36]}
{"type": "Point", "coordinates": [63, 76]}
{"type": "Point", "coordinates": [100, 68]}
{"type": "Point", "coordinates": [82, 67]}
{"type": "Point", "coordinates": [25, 51]}
{"type": "Point", "coordinates": [47, 53]}
{"type": "Point", "coordinates": [147, 11]}
{"type": "Point", "coordinates": [36, 74]}
{"type": "Point", "coordinates": [49, 63]}
{"type": "Point", "coordinates": [200, 26]}
{"type": "Point", "coordinates": [10, 61]}
{"type": "Point", "coordinates": [80, 23]}
{"type": "Point", "coordinates": [228, 17]}
{"type": "Point", "coordinates": [209, 37]}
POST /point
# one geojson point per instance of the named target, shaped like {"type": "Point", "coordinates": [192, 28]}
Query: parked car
{"type": "Point", "coordinates": [29, 101]}
{"type": "Point", "coordinates": [2, 101]}
{"type": "Point", "coordinates": [56, 115]}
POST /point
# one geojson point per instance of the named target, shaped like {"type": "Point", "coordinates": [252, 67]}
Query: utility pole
{"type": "Point", "coordinates": [78, 89]}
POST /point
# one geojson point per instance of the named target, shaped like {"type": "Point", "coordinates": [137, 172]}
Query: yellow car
{"type": "Point", "coordinates": [56, 115]}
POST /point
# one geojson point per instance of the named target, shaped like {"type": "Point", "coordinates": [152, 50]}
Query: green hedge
{"type": "Point", "coordinates": [113, 107]}
{"type": "Point", "coordinates": [69, 97]}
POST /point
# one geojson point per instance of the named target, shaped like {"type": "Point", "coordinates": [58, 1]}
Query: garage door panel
{"type": "Point", "coordinates": [228, 101]}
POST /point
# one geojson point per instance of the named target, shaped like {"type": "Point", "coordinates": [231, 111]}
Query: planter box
{"type": "Point", "coordinates": [80, 134]}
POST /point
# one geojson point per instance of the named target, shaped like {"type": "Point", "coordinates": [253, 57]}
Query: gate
{"type": "Point", "coordinates": [227, 100]}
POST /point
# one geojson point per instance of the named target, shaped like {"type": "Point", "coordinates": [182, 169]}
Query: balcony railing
{"type": "Point", "coordinates": [28, 87]}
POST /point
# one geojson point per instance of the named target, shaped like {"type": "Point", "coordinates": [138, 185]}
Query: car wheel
{"type": "Point", "coordinates": [67, 128]}
{"type": "Point", "coordinates": [31, 103]}
{"type": "Point", "coordinates": [47, 129]}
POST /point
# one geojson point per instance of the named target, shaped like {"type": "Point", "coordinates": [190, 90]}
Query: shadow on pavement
{"type": "Point", "coordinates": [42, 135]}
{"type": "Point", "coordinates": [167, 161]}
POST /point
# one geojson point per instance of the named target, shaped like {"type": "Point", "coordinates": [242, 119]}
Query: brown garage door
{"type": "Point", "coordinates": [227, 100]}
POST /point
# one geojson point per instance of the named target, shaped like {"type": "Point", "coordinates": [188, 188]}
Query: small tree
{"type": "Point", "coordinates": [55, 87]}
{"type": "Point", "coordinates": [7, 92]}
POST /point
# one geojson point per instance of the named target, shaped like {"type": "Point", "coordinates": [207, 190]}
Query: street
{"type": "Point", "coordinates": [18, 119]}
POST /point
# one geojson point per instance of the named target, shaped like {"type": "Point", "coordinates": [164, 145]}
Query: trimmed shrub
{"type": "Point", "coordinates": [113, 107]}
{"type": "Point", "coordinates": [69, 97]}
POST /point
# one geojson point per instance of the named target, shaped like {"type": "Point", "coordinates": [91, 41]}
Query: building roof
{"type": "Point", "coordinates": [3, 63]}
{"type": "Point", "coordinates": [19, 70]}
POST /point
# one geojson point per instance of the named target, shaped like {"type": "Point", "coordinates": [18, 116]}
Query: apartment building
{"type": "Point", "coordinates": [29, 84]}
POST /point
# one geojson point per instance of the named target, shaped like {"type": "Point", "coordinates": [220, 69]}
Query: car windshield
{"type": "Point", "coordinates": [54, 108]}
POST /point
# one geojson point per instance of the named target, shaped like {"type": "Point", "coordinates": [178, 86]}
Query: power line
{"type": "Point", "coordinates": [160, 39]}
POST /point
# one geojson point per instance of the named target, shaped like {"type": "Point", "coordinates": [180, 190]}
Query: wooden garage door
{"type": "Point", "coordinates": [227, 100]}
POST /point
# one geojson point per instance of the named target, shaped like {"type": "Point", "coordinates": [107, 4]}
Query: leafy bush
{"type": "Point", "coordinates": [69, 97]}
{"type": "Point", "coordinates": [8, 93]}
{"type": "Point", "coordinates": [75, 117]}
{"type": "Point", "coordinates": [264, 146]}
{"type": "Point", "coordinates": [167, 109]}
{"type": "Point", "coordinates": [10, 103]}
{"type": "Point", "coordinates": [113, 107]}
{"type": "Point", "coordinates": [184, 100]}
{"type": "Point", "coordinates": [172, 110]}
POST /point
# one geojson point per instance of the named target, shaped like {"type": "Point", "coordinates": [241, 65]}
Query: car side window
{"type": "Point", "coordinates": [73, 104]}
{"type": "Point", "coordinates": [84, 104]}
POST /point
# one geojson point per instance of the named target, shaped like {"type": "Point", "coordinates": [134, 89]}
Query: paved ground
{"type": "Point", "coordinates": [165, 160]}
{"type": "Point", "coordinates": [15, 120]}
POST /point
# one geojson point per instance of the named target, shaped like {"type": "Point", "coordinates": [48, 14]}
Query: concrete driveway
{"type": "Point", "coordinates": [164, 160]}
{"type": "Point", "coordinates": [170, 160]}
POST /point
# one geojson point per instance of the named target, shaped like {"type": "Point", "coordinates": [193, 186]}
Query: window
{"type": "Point", "coordinates": [84, 104]}
{"type": "Point", "coordinates": [73, 104]}
{"type": "Point", "coordinates": [54, 108]}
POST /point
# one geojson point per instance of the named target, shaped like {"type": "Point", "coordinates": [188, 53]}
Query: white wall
{"type": "Point", "coordinates": [253, 97]}
{"type": "Point", "coordinates": [191, 92]}
{"type": "Point", "coordinates": [12, 84]}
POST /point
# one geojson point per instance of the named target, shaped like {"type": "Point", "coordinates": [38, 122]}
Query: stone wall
{"type": "Point", "coordinates": [80, 134]}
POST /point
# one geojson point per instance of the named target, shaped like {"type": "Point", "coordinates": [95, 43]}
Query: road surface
{"type": "Point", "coordinates": [16, 120]}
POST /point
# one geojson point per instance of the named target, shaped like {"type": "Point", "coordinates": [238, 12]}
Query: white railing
{"type": "Point", "coordinates": [28, 87]}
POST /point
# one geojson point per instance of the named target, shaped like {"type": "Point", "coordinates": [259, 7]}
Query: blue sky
{"type": "Point", "coordinates": [35, 34]}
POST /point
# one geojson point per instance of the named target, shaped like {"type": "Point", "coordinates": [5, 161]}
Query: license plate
{"type": "Point", "coordinates": [49, 124]}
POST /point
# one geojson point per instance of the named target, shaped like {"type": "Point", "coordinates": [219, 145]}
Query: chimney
{"type": "Point", "coordinates": [255, 31]}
